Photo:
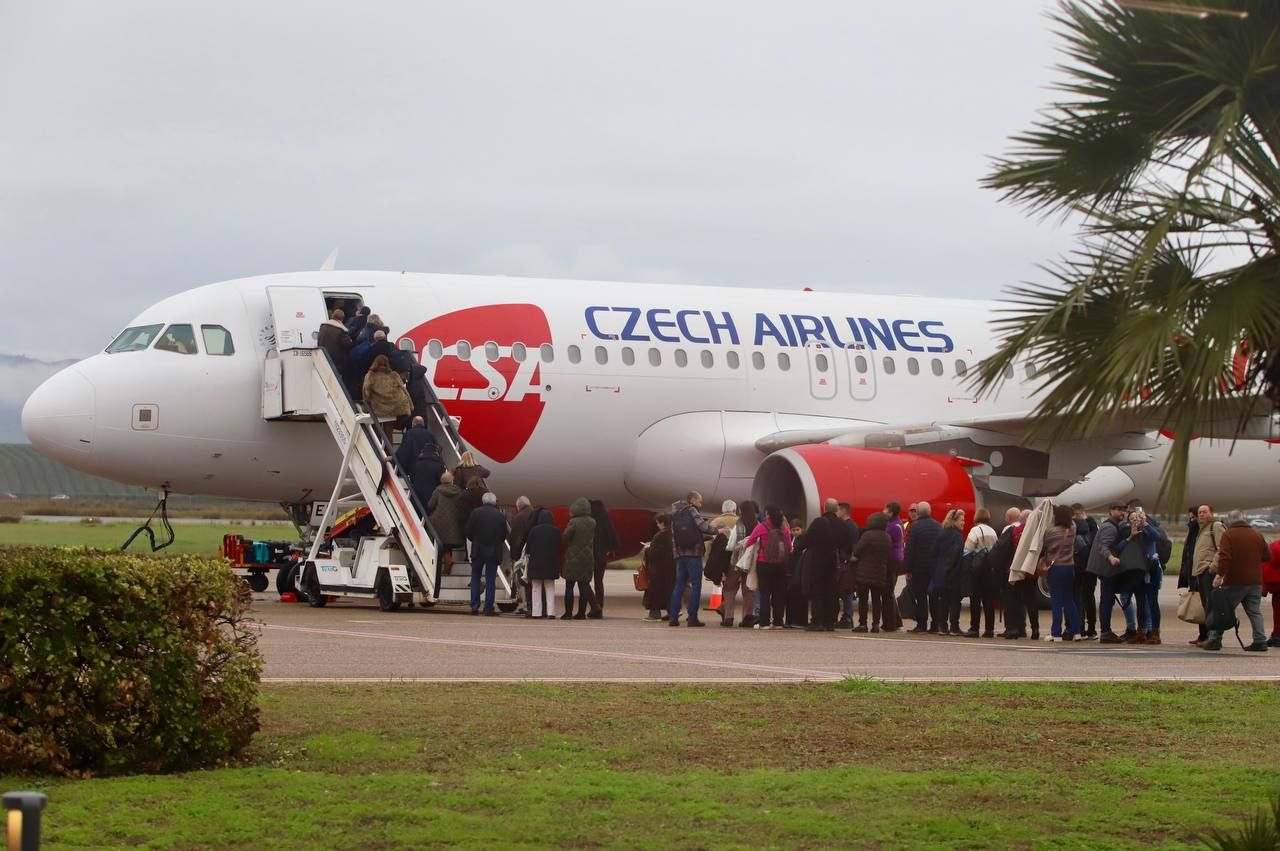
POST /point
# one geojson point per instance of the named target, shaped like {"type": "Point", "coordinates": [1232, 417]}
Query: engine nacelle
{"type": "Point", "coordinates": [800, 478]}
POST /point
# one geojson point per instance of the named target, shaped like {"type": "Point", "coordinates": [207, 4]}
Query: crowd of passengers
{"type": "Point", "coordinates": [388, 379]}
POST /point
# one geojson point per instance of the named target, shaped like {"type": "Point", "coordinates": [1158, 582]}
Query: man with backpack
{"type": "Point", "coordinates": [1204, 561]}
{"type": "Point", "coordinates": [1241, 554]}
{"type": "Point", "coordinates": [1104, 563]}
{"type": "Point", "coordinates": [688, 532]}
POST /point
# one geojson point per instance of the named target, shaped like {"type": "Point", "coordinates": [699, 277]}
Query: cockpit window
{"type": "Point", "coordinates": [217, 340]}
{"type": "Point", "coordinates": [177, 338]}
{"type": "Point", "coordinates": [134, 339]}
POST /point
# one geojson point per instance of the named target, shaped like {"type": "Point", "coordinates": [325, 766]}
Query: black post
{"type": "Point", "coordinates": [22, 820]}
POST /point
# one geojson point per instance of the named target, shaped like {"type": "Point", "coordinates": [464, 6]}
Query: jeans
{"type": "Point", "coordinates": [1155, 575]}
{"type": "Point", "coordinates": [688, 573]}
{"type": "Point", "coordinates": [1062, 598]}
{"type": "Point", "coordinates": [847, 608]}
{"type": "Point", "coordinates": [1023, 599]}
{"type": "Point", "coordinates": [982, 601]}
{"type": "Point", "coordinates": [585, 598]}
{"type": "Point", "coordinates": [488, 562]}
{"type": "Point", "coordinates": [1250, 596]}
{"type": "Point", "coordinates": [1107, 601]}
{"type": "Point", "coordinates": [920, 594]}
{"type": "Point", "coordinates": [876, 597]}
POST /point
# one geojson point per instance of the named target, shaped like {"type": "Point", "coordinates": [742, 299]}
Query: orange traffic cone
{"type": "Point", "coordinates": [715, 602]}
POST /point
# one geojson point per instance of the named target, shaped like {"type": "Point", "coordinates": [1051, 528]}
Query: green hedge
{"type": "Point", "coordinates": [113, 663]}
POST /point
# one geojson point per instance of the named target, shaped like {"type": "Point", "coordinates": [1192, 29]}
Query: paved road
{"type": "Point", "coordinates": [352, 641]}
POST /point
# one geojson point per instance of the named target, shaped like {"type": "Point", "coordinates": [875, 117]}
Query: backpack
{"type": "Point", "coordinates": [775, 547]}
{"type": "Point", "coordinates": [979, 563]}
{"type": "Point", "coordinates": [685, 530]}
{"type": "Point", "coordinates": [1000, 559]}
{"type": "Point", "coordinates": [1164, 548]}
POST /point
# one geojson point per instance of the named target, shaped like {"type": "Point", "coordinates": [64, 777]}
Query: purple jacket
{"type": "Point", "coordinates": [896, 547]}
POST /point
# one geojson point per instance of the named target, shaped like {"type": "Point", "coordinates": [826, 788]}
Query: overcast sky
{"type": "Point", "coordinates": [148, 147]}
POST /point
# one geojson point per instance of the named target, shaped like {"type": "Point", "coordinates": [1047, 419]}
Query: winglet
{"type": "Point", "coordinates": [330, 261]}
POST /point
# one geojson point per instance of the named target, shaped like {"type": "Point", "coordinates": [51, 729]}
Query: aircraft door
{"type": "Point", "coordinates": [297, 313]}
{"type": "Point", "coordinates": [822, 370]}
{"type": "Point", "coordinates": [287, 381]}
{"type": "Point", "coordinates": [862, 372]}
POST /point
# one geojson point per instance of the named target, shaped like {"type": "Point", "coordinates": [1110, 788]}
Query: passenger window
{"type": "Point", "coordinates": [860, 364]}
{"type": "Point", "coordinates": [708, 360]}
{"type": "Point", "coordinates": [820, 362]}
{"type": "Point", "coordinates": [733, 360]}
{"type": "Point", "coordinates": [1031, 370]}
{"type": "Point", "coordinates": [464, 350]}
{"type": "Point", "coordinates": [784, 361]}
{"type": "Point", "coordinates": [491, 352]}
{"type": "Point", "coordinates": [518, 352]}
{"type": "Point", "coordinates": [217, 340]}
{"type": "Point", "coordinates": [602, 355]}
{"type": "Point", "coordinates": [1008, 370]}
{"type": "Point", "coordinates": [575, 354]}
{"type": "Point", "coordinates": [962, 368]}
{"type": "Point", "coordinates": [134, 339]}
{"type": "Point", "coordinates": [682, 357]}
{"type": "Point", "coordinates": [548, 353]}
{"type": "Point", "coordinates": [177, 338]}
{"type": "Point", "coordinates": [435, 350]}
{"type": "Point", "coordinates": [913, 366]}
{"type": "Point", "coordinates": [889, 366]}
{"type": "Point", "coordinates": [936, 366]}
{"type": "Point", "coordinates": [757, 360]}
{"type": "Point", "coordinates": [655, 357]}
{"type": "Point", "coordinates": [628, 356]}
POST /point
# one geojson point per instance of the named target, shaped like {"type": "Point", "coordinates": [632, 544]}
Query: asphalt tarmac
{"type": "Point", "coordinates": [352, 641]}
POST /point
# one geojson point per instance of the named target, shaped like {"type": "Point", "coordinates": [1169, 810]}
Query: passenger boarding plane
{"type": "Point", "coordinates": [630, 393]}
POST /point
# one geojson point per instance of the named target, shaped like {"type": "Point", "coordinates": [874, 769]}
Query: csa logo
{"type": "Point", "coordinates": [499, 401]}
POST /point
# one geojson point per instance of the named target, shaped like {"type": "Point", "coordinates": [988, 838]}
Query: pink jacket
{"type": "Point", "coordinates": [760, 535]}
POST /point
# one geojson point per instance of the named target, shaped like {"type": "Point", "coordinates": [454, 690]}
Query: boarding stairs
{"type": "Point", "coordinates": [394, 556]}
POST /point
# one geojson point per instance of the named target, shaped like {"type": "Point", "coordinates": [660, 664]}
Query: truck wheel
{"type": "Point", "coordinates": [311, 587]}
{"type": "Point", "coordinates": [258, 581]}
{"type": "Point", "coordinates": [1042, 591]}
{"type": "Point", "coordinates": [386, 595]}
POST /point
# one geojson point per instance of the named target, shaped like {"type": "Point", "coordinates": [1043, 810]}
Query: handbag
{"type": "Point", "coordinates": [753, 578]}
{"type": "Point", "coordinates": [1190, 606]}
{"type": "Point", "coordinates": [747, 561]}
{"type": "Point", "coordinates": [641, 578]}
{"type": "Point", "coordinates": [906, 605]}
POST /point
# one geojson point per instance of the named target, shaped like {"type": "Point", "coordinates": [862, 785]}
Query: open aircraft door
{"type": "Point", "coordinates": [862, 373]}
{"type": "Point", "coordinates": [288, 375]}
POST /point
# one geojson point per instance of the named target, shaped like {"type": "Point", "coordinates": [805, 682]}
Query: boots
{"type": "Point", "coordinates": [1153, 636]}
{"type": "Point", "coordinates": [1139, 637]}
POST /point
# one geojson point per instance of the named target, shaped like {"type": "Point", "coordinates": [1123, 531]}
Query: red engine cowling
{"type": "Point", "coordinates": [799, 479]}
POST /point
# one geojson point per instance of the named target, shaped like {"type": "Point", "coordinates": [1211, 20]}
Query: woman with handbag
{"type": "Point", "coordinates": [1057, 559]}
{"type": "Point", "coordinates": [944, 579]}
{"type": "Point", "coordinates": [870, 559]}
{"type": "Point", "coordinates": [891, 616]}
{"type": "Point", "coordinates": [735, 577]}
{"type": "Point", "coordinates": [660, 564]}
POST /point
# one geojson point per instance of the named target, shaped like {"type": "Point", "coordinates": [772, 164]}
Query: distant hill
{"type": "Point", "coordinates": [19, 375]}
{"type": "Point", "coordinates": [26, 473]}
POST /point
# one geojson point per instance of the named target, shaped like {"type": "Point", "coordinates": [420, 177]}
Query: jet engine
{"type": "Point", "coordinates": [800, 478]}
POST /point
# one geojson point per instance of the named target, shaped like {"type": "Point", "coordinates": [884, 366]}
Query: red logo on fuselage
{"type": "Point", "coordinates": [498, 399]}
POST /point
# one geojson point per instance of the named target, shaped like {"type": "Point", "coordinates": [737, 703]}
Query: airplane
{"type": "Point", "coordinates": [631, 393]}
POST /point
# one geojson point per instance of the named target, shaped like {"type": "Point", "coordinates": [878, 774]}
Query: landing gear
{"type": "Point", "coordinates": [163, 508]}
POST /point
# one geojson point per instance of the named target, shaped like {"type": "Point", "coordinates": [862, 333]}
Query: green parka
{"type": "Point", "coordinates": [446, 515]}
{"type": "Point", "coordinates": [579, 543]}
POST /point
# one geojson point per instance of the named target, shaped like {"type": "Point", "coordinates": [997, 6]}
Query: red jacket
{"type": "Point", "coordinates": [1271, 569]}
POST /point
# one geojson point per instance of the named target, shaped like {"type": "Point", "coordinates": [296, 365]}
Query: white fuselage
{"type": "Point", "coordinates": [638, 394]}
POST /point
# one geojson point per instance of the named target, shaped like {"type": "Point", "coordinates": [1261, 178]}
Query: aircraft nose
{"type": "Point", "coordinates": [58, 416]}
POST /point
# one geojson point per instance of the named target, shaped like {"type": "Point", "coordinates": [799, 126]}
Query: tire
{"type": "Point", "coordinates": [311, 587]}
{"type": "Point", "coordinates": [1042, 593]}
{"type": "Point", "coordinates": [258, 581]}
{"type": "Point", "coordinates": [285, 578]}
{"type": "Point", "coordinates": [386, 596]}
{"type": "Point", "coordinates": [508, 608]}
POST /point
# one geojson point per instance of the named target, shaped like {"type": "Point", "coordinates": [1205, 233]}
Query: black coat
{"type": "Point", "coordinates": [922, 550]}
{"type": "Point", "coordinates": [520, 526]}
{"type": "Point", "coordinates": [415, 440]}
{"type": "Point", "coordinates": [826, 536]}
{"type": "Point", "coordinates": [543, 546]}
{"type": "Point", "coordinates": [425, 477]}
{"type": "Point", "coordinates": [872, 552]}
{"type": "Point", "coordinates": [487, 530]}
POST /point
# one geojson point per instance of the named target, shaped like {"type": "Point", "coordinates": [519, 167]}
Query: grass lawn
{"type": "Point", "coordinates": [858, 764]}
{"type": "Point", "coordinates": [198, 538]}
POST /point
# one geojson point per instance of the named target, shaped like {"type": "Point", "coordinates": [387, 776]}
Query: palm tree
{"type": "Point", "coordinates": [1165, 146]}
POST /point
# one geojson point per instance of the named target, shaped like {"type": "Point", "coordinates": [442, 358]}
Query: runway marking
{"type": "Point", "coordinates": [1146, 678]}
{"type": "Point", "coordinates": [563, 651]}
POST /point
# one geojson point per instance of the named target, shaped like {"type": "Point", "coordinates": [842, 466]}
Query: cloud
{"type": "Point", "coordinates": [587, 263]}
